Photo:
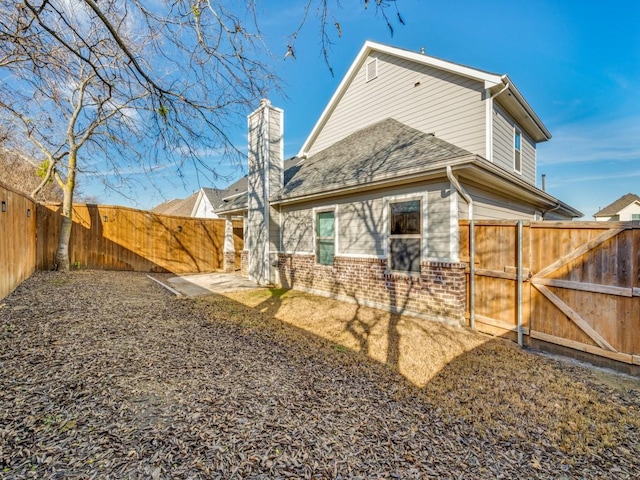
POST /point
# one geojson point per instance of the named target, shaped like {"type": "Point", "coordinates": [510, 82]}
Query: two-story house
{"type": "Point", "coordinates": [407, 146]}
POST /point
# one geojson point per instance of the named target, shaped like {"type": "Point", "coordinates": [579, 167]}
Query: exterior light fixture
{"type": "Point", "coordinates": [28, 212]}
{"type": "Point", "coordinates": [179, 229]}
{"type": "Point", "coordinates": [4, 206]}
{"type": "Point", "coordinates": [105, 219]}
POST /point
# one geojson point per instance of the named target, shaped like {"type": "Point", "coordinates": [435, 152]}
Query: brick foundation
{"type": "Point", "coordinates": [244, 263]}
{"type": "Point", "coordinates": [439, 291]}
{"type": "Point", "coordinates": [228, 261]}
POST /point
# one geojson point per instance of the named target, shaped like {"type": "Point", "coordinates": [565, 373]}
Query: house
{"type": "Point", "coordinates": [368, 210]}
{"type": "Point", "coordinates": [627, 207]}
{"type": "Point", "coordinates": [201, 203]}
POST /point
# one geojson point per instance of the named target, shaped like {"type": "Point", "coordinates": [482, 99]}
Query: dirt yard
{"type": "Point", "coordinates": [107, 375]}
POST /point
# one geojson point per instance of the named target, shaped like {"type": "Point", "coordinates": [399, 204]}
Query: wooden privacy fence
{"type": "Point", "coordinates": [121, 238]}
{"type": "Point", "coordinates": [572, 284]}
{"type": "Point", "coordinates": [17, 239]}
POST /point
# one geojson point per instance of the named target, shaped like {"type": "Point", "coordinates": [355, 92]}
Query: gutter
{"type": "Point", "coordinates": [472, 256]}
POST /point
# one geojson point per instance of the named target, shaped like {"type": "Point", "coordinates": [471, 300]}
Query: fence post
{"type": "Point", "coordinates": [519, 280]}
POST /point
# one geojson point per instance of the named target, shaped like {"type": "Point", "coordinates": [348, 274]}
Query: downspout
{"type": "Point", "coordinates": [472, 268]}
{"type": "Point", "coordinates": [557, 207]}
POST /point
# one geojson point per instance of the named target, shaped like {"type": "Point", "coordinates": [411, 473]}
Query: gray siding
{"type": "Point", "coordinates": [503, 128]}
{"type": "Point", "coordinates": [439, 221]}
{"type": "Point", "coordinates": [446, 104]}
{"type": "Point", "coordinates": [297, 230]}
{"type": "Point", "coordinates": [361, 228]}
{"type": "Point", "coordinates": [490, 206]}
{"type": "Point", "coordinates": [360, 222]}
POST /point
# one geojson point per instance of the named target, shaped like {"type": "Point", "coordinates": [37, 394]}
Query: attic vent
{"type": "Point", "coordinates": [372, 69]}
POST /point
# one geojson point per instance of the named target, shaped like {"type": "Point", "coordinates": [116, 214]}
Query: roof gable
{"type": "Point", "coordinates": [513, 101]}
{"type": "Point", "coordinates": [615, 207]}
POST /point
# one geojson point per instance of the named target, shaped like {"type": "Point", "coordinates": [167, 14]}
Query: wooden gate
{"type": "Point", "coordinates": [574, 284]}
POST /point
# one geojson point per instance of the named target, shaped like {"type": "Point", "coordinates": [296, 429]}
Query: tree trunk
{"type": "Point", "coordinates": [63, 262]}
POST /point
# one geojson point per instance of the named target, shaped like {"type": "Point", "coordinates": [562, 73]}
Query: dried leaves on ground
{"type": "Point", "coordinates": [107, 375]}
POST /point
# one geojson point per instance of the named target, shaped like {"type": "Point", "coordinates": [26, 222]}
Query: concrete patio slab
{"type": "Point", "coordinates": [208, 283]}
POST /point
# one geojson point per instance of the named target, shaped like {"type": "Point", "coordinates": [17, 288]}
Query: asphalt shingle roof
{"type": "Point", "coordinates": [177, 207]}
{"type": "Point", "coordinates": [382, 150]}
{"type": "Point", "coordinates": [615, 207]}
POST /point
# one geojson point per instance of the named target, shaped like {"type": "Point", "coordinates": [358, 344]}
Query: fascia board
{"type": "Point", "coordinates": [333, 102]}
{"type": "Point", "coordinates": [527, 108]}
{"type": "Point", "coordinates": [519, 185]}
{"type": "Point", "coordinates": [197, 203]}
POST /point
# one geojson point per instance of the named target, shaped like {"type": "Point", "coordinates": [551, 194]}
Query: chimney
{"type": "Point", "coordinates": [265, 178]}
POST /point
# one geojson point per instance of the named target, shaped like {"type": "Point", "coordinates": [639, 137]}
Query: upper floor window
{"type": "Point", "coordinates": [517, 150]}
{"type": "Point", "coordinates": [325, 237]}
{"type": "Point", "coordinates": [405, 236]}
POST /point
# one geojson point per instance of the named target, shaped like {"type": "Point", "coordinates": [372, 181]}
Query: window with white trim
{"type": "Point", "coordinates": [405, 235]}
{"type": "Point", "coordinates": [325, 237]}
{"type": "Point", "coordinates": [635, 216]}
{"type": "Point", "coordinates": [517, 150]}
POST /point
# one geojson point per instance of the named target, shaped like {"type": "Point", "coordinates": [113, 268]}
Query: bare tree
{"type": "Point", "coordinates": [93, 83]}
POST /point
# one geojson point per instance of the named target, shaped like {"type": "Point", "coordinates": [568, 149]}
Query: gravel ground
{"type": "Point", "coordinates": [107, 375]}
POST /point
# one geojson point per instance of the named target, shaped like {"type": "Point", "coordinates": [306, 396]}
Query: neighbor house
{"type": "Point", "coordinates": [627, 207]}
{"type": "Point", "coordinates": [201, 204]}
{"type": "Point", "coordinates": [369, 209]}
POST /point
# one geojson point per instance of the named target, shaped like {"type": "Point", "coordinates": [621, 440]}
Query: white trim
{"type": "Point", "coordinates": [289, 252]}
{"type": "Point", "coordinates": [314, 214]}
{"type": "Point", "coordinates": [386, 201]}
{"type": "Point", "coordinates": [489, 126]}
{"type": "Point", "coordinates": [361, 255]}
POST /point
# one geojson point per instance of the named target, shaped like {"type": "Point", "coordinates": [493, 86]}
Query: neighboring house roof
{"type": "Point", "coordinates": [509, 96]}
{"type": "Point", "coordinates": [177, 207]}
{"type": "Point", "coordinates": [615, 207]}
{"type": "Point", "coordinates": [389, 152]}
{"type": "Point", "coordinates": [236, 193]}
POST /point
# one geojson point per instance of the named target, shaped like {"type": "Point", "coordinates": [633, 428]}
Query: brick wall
{"type": "Point", "coordinates": [439, 291]}
{"type": "Point", "coordinates": [229, 261]}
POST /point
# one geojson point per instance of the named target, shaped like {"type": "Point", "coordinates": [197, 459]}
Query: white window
{"type": "Point", "coordinates": [405, 235]}
{"type": "Point", "coordinates": [372, 69]}
{"type": "Point", "coordinates": [635, 216]}
{"type": "Point", "coordinates": [517, 150]}
{"type": "Point", "coordinates": [325, 237]}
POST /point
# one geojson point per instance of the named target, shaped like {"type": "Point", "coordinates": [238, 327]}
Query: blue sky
{"type": "Point", "coordinates": [576, 62]}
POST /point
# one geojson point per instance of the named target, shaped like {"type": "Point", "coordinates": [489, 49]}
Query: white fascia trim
{"type": "Point", "coordinates": [525, 105]}
{"type": "Point", "coordinates": [353, 69]}
{"type": "Point", "coordinates": [489, 79]}
{"type": "Point", "coordinates": [194, 210]}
